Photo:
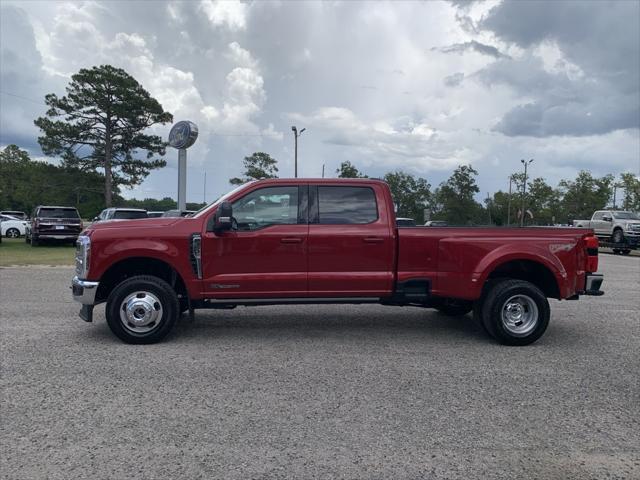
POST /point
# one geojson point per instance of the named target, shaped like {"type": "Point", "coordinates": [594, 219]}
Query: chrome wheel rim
{"type": "Point", "coordinates": [520, 315]}
{"type": "Point", "coordinates": [140, 312]}
{"type": "Point", "coordinates": [13, 233]}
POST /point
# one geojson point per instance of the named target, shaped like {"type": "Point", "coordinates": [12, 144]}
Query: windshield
{"type": "Point", "coordinates": [58, 213]}
{"type": "Point", "coordinates": [219, 200]}
{"type": "Point", "coordinates": [626, 215]}
{"type": "Point", "coordinates": [129, 214]}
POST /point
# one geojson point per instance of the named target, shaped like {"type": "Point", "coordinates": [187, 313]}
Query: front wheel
{"type": "Point", "coordinates": [12, 233]}
{"type": "Point", "coordinates": [618, 236]}
{"type": "Point", "coordinates": [142, 309]}
{"type": "Point", "coordinates": [515, 312]}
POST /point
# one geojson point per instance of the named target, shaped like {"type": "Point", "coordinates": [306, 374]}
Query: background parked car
{"type": "Point", "coordinates": [15, 213]}
{"type": "Point", "coordinates": [178, 213]}
{"type": "Point", "coordinates": [405, 222]}
{"type": "Point", "coordinates": [53, 223]}
{"type": "Point", "coordinates": [155, 214]}
{"type": "Point", "coordinates": [12, 227]}
{"type": "Point", "coordinates": [436, 223]}
{"type": "Point", "coordinates": [121, 214]}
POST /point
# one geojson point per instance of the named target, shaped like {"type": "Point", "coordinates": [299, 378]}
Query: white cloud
{"type": "Point", "coordinates": [228, 13]}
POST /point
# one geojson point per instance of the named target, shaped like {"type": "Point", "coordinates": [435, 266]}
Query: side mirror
{"type": "Point", "coordinates": [95, 219]}
{"type": "Point", "coordinates": [223, 218]}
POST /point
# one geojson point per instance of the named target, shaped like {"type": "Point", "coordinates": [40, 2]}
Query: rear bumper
{"type": "Point", "coordinates": [84, 291]}
{"type": "Point", "coordinates": [593, 284]}
{"type": "Point", "coordinates": [54, 236]}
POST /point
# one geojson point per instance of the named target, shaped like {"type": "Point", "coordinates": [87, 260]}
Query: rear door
{"type": "Point", "coordinates": [267, 255]}
{"type": "Point", "coordinates": [350, 242]}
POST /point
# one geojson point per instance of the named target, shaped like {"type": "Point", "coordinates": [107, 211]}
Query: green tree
{"type": "Point", "coordinates": [584, 195]}
{"type": "Point", "coordinates": [411, 195]}
{"type": "Point", "coordinates": [256, 167]}
{"type": "Point", "coordinates": [25, 183]}
{"type": "Point", "coordinates": [454, 199]}
{"type": "Point", "coordinates": [100, 124]}
{"type": "Point", "coordinates": [544, 202]}
{"type": "Point", "coordinates": [348, 170]}
{"type": "Point", "coordinates": [631, 185]}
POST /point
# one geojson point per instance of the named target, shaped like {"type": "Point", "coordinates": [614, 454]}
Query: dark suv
{"type": "Point", "coordinates": [53, 223]}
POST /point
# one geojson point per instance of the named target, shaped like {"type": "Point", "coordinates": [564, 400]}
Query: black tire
{"type": "Point", "coordinates": [12, 233]}
{"type": "Point", "coordinates": [626, 251]}
{"type": "Point", "coordinates": [453, 307]}
{"type": "Point", "coordinates": [616, 251]}
{"type": "Point", "coordinates": [158, 296]}
{"type": "Point", "coordinates": [618, 236]}
{"type": "Point", "coordinates": [513, 297]}
{"type": "Point", "coordinates": [33, 241]}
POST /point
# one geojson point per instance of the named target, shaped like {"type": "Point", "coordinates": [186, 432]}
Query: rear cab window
{"type": "Point", "coordinates": [129, 215]}
{"type": "Point", "coordinates": [346, 205]}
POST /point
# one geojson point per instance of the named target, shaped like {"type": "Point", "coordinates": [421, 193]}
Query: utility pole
{"type": "Point", "coordinates": [204, 189]}
{"type": "Point", "coordinates": [615, 187]}
{"type": "Point", "coordinates": [524, 189]}
{"type": "Point", "coordinates": [509, 202]}
{"type": "Point", "coordinates": [489, 208]}
{"type": "Point", "coordinates": [323, 170]}
{"type": "Point", "coordinates": [296, 134]}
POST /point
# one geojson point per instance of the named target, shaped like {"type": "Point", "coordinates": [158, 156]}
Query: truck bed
{"type": "Point", "coordinates": [457, 259]}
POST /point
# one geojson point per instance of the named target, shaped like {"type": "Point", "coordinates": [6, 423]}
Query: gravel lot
{"type": "Point", "coordinates": [319, 391]}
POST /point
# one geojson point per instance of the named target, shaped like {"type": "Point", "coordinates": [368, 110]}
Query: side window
{"type": "Point", "coordinates": [267, 206]}
{"type": "Point", "coordinates": [346, 205]}
{"type": "Point", "coordinates": [598, 215]}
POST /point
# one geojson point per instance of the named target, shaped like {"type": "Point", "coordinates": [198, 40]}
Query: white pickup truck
{"type": "Point", "coordinates": [615, 226]}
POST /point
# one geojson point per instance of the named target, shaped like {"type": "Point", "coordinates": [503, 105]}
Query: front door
{"type": "Point", "coordinates": [267, 255]}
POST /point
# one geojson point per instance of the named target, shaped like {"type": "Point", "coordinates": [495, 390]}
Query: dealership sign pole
{"type": "Point", "coordinates": [182, 135]}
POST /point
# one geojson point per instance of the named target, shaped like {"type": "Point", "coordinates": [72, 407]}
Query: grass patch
{"type": "Point", "coordinates": [14, 251]}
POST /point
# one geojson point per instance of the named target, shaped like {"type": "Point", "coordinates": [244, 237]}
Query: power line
{"type": "Point", "coordinates": [218, 134]}
{"type": "Point", "coordinates": [23, 98]}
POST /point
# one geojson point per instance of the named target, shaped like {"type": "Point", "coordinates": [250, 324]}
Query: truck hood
{"type": "Point", "coordinates": [157, 222]}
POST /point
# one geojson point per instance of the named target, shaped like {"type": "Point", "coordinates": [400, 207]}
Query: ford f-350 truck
{"type": "Point", "coordinates": [620, 228]}
{"type": "Point", "coordinates": [316, 241]}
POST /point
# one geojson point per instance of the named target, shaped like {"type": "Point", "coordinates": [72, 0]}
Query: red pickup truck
{"type": "Point", "coordinates": [287, 241]}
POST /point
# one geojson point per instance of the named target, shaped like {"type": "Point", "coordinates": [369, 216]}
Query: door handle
{"type": "Point", "coordinates": [373, 239]}
{"type": "Point", "coordinates": [291, 240]}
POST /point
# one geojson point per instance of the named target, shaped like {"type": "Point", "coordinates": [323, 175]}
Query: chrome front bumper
{"type": "Point", "coordinates": [84, 291]}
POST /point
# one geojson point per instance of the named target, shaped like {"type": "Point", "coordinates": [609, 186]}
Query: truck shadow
{"type": "Point", "coordinates": [308, 322]}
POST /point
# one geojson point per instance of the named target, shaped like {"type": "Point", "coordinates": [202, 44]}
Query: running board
{"type": "Point", "coordinates": [215, 302]}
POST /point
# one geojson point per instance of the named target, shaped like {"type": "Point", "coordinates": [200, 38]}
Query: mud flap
{"type": "Point", "coordinates": [86, 313]}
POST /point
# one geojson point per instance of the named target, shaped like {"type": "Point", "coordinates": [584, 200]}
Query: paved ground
{"type": "Point", "coordinates": [319, 392]}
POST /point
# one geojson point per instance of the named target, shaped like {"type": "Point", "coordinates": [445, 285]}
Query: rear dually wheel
{"type": "Point", "coordinates": [515, 312]}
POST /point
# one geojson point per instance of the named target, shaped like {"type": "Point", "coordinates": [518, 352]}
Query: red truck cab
{"type": "Point", "coordinates": [326, 241]}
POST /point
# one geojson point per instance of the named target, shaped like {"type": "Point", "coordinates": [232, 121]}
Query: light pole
{"type": "Point", "coordinates": [524, 189]}
{"type": "Point", "coordinates": [296, 134]}
{"type": "Point", "coordinates": [509, 202]}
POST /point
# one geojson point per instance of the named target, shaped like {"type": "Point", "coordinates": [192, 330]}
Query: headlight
{"type": "Point", "coordinates": [83, 256]}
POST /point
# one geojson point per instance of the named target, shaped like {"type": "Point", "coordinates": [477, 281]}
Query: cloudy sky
{"type": "Point", "coordinates": [419, 86]}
